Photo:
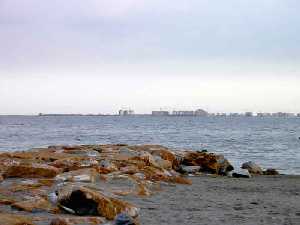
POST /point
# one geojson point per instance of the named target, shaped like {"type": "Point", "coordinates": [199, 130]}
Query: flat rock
{"type": "Point", "coordinates": [89, 175]}
{"type": "Point", "coordinates": [35, 205]}
{"type": "Point", "coordinates": [13, 219]}
{"type": "Point", "coordinates": [33, 170]}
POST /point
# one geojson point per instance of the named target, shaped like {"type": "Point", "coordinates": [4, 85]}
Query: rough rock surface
{"type": "Point", "coordinates": [13, 219]}
{"type": "Point", "coordinates": [86, 202]}
{"type": "Point", "coordinates": [32, 170]}
{"type": "Point", "coordinates": [208, 162]}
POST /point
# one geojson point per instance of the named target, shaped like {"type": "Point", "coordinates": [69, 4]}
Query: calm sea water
{"type": "Point", "coordinates": [271, 142]}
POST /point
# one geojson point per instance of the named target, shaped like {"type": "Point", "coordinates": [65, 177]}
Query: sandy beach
{"type": "Point", "coordinates": [220, 200]}
{"type": "Point", "coordinates": [151, 184]}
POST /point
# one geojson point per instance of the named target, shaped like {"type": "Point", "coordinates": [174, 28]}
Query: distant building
{"type": "Point", "coordinates": [183, 113]}
{"type": "Point", "coordinates": [249, 114]}
{"type": "Point", "coordinates": [201, 112]}
{"type": "Point", "coordinates": [234, 114]}
{"type": "Point", "coordinates": [127, 112]}
{"type": "Point", "coordinates": [160, 113]}
{"type": "Point", "coordinates": [264, 114]}
{"type": "Point", "coordinates": [283, 114]}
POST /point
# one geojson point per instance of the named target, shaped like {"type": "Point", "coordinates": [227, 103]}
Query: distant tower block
{"type": "Point", "coordinates": [126, 112]}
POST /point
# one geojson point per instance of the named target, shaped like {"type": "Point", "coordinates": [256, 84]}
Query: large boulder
{"type": "Point", "coordinates": [86, 202]}
{"type": "Point", "coordinates": [33, 170]}
{"type": "Point", "coordinates": [158, 150]}
{"type": "Point", "coordinates": [252, 167]}
{"type": "Point", "coordinates": [208, 162]}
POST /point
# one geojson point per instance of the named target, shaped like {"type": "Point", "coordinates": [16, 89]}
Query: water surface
{"type": "Point", "coordinates": [271, 142]}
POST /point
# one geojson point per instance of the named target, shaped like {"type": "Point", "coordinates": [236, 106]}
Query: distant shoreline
{"type": "Point", "coordinates": [148, 115]}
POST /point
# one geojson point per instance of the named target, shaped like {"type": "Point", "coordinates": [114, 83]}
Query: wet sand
{"type": "Point", "coordinates": [221, 200]}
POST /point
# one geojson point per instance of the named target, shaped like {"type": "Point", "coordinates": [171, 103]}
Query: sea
{"type": "Point", "coordinates": [270, 142]}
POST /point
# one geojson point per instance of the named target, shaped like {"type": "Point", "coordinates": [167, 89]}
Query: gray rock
{"type": "Point", "coordinates": [252, 167]}
{"type": "Point", "coordinates": [124, 219]}
{"type": "Point", "coordinates": [190, 169]}
{"type": "Point", "coordinates": [128, 152]}
{"type": "Point", "coordinates": [105, 163]}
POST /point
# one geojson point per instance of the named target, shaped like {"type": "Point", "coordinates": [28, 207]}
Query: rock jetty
{"type": "Point", "coordinates": [86, 184]}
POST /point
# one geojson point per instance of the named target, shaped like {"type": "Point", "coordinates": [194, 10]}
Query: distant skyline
{"type": "Point", "coordinates": [97, 56]}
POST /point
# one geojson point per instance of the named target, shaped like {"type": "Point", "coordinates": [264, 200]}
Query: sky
{"type": "Point", "coordinates": [97, 56]}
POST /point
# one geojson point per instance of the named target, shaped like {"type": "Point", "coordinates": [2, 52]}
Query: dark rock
{"type": "Point", "coordinates": [240, 173]}
{"type": "Point", "coordinates": [271, 171]}
{"type": "Point", "coordinates": [86, 202]}
{"type": "Point", "coordinates": [80, 204]}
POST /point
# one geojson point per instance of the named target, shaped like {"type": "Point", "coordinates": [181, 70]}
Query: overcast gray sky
{"type": "Point", "coordinates": [100, 55]}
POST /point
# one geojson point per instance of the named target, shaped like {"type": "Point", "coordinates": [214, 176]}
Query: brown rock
{"type": "Point", "coordinates": [82, 175]}
{"type": "Point", "coordinates": [74, 163]}
{"type": "Point", "coordinates": [167, 155]}
{"type": "Point", "coordinates": [162, 163]}
{"type": "Point", "coordinates": [83, 201]}
{"type": "Point", "coordinates": [33, 170]}
{"type": "Point", "coordinates": [13, 219]}
{"type": "Point", "coordinates": [59, 221]}
{"type": "Point", "coordinates": [208, 162]}
{"type": "Point", "coordinates": [42, 155]}
{"type": "Point", "coordinates": [7, 198]}
{"type": "Point", "coordinates": [35, 205]}
{"type": "Point", "coordinates": [86, 220]}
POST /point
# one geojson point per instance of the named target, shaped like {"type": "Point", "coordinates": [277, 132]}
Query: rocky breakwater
{"type": "Point", "coordinates": [86, 184]}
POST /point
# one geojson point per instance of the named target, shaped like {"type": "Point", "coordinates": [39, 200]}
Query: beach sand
{"type": "Point", "coordinates": [221, 200]}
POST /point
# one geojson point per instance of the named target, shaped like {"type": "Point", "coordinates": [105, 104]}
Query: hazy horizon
{"type": "Point", "coordinates": [97, 56]}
